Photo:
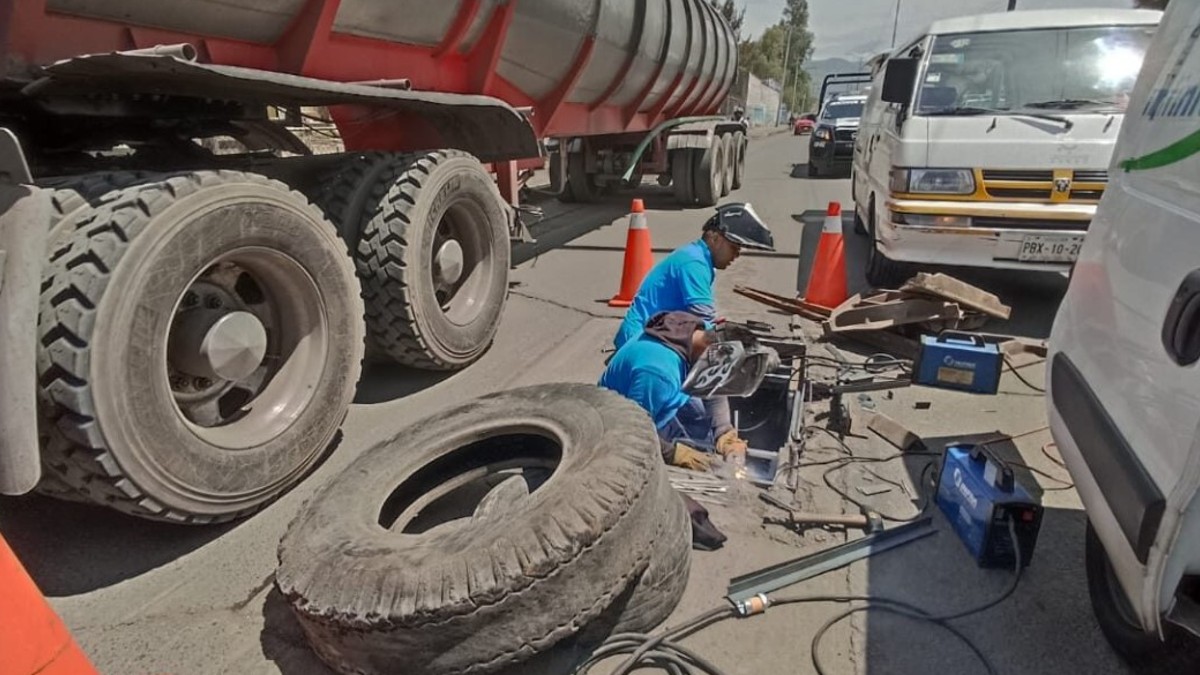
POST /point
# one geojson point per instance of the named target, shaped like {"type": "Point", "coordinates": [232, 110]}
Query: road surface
{"type": "Point", "coordinates": [146, 598]}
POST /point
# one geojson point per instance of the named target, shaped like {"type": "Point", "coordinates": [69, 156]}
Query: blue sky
{"type": "Point", "coordinates": [855, 28]}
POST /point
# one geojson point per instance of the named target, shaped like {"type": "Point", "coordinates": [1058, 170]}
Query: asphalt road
{"type": "Point", "coordinates": [151, 598]}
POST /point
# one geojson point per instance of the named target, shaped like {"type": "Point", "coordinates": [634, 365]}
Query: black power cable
{"type": "Point", "coordinates": [664, 651]}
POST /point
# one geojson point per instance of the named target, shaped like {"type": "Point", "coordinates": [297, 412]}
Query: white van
{"type": "Point", "coordinates": [984, 142]}
{"type": "Point", "coordinates": [1124, 382]}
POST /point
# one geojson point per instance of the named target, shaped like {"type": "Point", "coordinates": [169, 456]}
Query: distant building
{"type": "Point", "coordinates": [760, 99]}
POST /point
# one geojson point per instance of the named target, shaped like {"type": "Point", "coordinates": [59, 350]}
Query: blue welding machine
{"type": "Point", "coordinates": [954, 360]}
{"type": "Point", "coordinates": [980, 496]}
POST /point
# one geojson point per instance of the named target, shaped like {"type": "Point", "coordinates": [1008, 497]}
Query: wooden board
{"type": "Point", "coordinates": [945, 286]}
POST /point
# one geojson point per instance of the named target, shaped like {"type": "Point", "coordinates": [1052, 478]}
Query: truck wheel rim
{"type": "Point", "coordinates": [483, 479]}
{"type": "Point", "coordinates": [461, 260]}
{"type": "Point", "coordinates": [246, 347]}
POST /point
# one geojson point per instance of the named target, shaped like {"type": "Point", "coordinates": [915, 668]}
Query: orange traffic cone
{"type": "Point", "coordinates": [827, 281]}
{"type": "Point", "coordinates": [639, 256]}
{"type": "Point", "coordinates": [32, 638]}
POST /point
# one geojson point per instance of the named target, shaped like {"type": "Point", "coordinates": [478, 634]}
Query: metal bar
{"type": "Point", "coordinates": [785, 574]}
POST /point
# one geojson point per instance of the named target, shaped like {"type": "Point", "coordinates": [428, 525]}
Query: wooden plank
{"type": "Point", "coordinates": [945, 286]}
{"type": "Point", "coordinates": [895, 433]}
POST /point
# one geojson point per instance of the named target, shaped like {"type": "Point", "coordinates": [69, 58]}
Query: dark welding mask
{"type": "Point", "coordinates": [730, 369]}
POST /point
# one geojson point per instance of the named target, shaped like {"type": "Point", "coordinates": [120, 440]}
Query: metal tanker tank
{"type": "Point", "coordinates": [584, 66]}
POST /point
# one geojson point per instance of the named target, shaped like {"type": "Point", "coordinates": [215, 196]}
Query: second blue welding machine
{"type": "Point", "coordinates": [954, 360]}
{"type": "Point", "coordinates": [980, 496]}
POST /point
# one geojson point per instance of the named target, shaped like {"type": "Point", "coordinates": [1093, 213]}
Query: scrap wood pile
{"type": "Point", "coordinates": [890, 319]}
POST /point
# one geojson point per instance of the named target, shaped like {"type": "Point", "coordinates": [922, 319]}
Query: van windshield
{"type": "Point", "coordinates": [837, 110]}
{"type": "Point", "coordinates": [1089, 69]}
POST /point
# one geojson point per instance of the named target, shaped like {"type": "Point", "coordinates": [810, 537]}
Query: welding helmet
{"type": "Point", "coordinates": [741, 225]}
{"type": "Point", "coordinates": [735, 365]}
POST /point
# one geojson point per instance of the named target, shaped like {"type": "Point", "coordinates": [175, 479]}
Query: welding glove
{"type": "Point", "coordinates": [688, 458]}
{"type": "Point", "coordinates": [730, 445]}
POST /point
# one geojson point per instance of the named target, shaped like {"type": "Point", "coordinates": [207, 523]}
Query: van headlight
{"type": "Point", "coordinates": [933, 181]}
{"type": "Point", "coordinates": [823, 134]}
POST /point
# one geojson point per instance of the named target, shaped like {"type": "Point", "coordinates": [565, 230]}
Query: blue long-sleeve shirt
{"type": "Point", "coordinates": [683, 282]}
{"type": "Point", "coordinates": [651, 374]}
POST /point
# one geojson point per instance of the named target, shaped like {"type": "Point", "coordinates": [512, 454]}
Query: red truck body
{"type": "Point", "coordinates": [579, 67]}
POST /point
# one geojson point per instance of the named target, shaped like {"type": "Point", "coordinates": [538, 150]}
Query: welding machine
{"type": "Point", "coordinates": [979, 495]}
{"type": "Point", "coordinates": [954, 360]}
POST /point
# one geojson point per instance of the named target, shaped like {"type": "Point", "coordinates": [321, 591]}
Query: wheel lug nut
{"type": "Point", "coordinates": [213, 303]}
{"type": "Point", "coordinates": [202, 383]}
{"type": "Point", "coordinates": [190, 299]}
{"type": "Point", "coordinates": [178, 382]}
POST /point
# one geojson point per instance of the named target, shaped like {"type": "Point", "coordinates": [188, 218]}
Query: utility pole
{"type": "Point", "coordinates": [787, 54]}
{"type": "Point", "coordinates": [896, 22]}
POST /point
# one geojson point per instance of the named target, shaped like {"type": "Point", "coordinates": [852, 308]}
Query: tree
{"type": "Point", "coordinates": [765, 57]}
{"type": "Point", "coordinates": [736, 17]}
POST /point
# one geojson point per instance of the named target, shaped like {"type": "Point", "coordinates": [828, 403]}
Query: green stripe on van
{"type": "Point", "coordinates": [1175, 152]}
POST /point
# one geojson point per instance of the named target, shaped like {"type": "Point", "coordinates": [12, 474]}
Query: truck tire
{"type": "Point", "coordinates": [730, 151]}
{"type": "Point", "coordinates": [344, 194]}
{"type": "Point", "coordinates": [397, 565]}
{"type": "Point", "coordinates": [558, 181]}
{"type": "Point", "coordinates": [682, 164]}
{"type": "Point", "coordinates": [708, 172]}
{"type": "Point", "coordinates": [75, 197]}
{"type": "Point", "coordinates": [139, 415]}
{"type": "Point", "coordinates": [1177, 652]}
{"type": "Point", "coordinates": [583, 189]}
{"type": "Point", "coordinates": [739, 166]}
{"type": "Point", "coordinates": [882, 272]}
{"type": "Point", "coordinates": [433, 259]}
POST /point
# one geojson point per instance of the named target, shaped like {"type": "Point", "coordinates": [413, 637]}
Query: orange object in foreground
{"type": "Point", "coordinates": [639, 256]}
{"type": "Point", "coordinates": [827, 281]}
{"type": "Point", "coordinates": [33, 640]}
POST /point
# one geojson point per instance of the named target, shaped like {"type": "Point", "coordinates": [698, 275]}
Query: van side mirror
{"type": "Point", "coordinates": [899, 80]}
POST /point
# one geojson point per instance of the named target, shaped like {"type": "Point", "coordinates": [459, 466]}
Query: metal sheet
{"type": "Point", "coordinates": [417, 23]}
{"type": "Point", "coordinates": [487, 127]}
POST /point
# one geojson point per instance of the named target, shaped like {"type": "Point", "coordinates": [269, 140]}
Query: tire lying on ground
{"type": "Point", "coordinates": [490, 537]}
{"type": "Point", "coordinates": [200, 343]}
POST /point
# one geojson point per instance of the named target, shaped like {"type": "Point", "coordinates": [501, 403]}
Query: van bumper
{"type": "Point", "coordinates": [1000, 235]}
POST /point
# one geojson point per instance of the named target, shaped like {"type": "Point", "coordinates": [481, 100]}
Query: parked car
{"type": "Point", "coordinates": [831, 147]}
{"type": "Point", "coordinates": [985, 140]}
{"type": "Point", "coordinates": [804, 124]}
{"type": "Point", "coordinates": [1123, 385]}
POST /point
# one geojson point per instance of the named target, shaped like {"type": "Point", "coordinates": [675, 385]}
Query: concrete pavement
{"type": "Point", "coordinates": [150, 598]}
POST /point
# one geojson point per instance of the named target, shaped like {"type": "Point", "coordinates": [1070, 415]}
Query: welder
{"type": "Point", "coordinates": [673, 367]}
{"type": "Point", "coordinates": [684, 282]}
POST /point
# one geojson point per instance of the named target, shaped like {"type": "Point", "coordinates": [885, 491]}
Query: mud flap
{"type": "Point", "coordinates": [24, 223]}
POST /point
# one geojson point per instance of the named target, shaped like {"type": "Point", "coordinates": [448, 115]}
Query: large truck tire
{"type": "Point", "coordinates": [1176, 652]}
{"type": "Point", "coordinates": [434, 259]}
{"type": "Point", "coordinates": [739, 166]}
{"type": "Point", "coordinates": [708, 172]}
{"type": "Point", "coordinates": [506, 530]}
{"type": "Point", "coordinates": [201, 343]}
{"type": "Point", "coordinates": [681, 176]}
{"type": "Point", "coordinates": [730, 171]}
{"type": "Point", "coordinates": [345, 193]}
{"type": "Point", "coordinates": [580, 184]}
{"type": "Point", "coordinates": [74, 197]}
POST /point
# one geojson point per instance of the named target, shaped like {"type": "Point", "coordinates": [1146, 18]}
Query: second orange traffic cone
{"type": "Point", "coordinates": [639, 256]}
{"type": "Point", "coordinates": [827, 281]}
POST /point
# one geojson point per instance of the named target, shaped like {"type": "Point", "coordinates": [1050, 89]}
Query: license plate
{"type": "Point", "coordinates": [1049, 248]}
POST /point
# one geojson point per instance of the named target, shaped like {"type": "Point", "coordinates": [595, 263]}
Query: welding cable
{"type": "Point", "coordinates": [904, 609]}
{"type": "Point", "coordinates": [1012, 369]}
{"type": "Point", "coordinates": [661, 650]}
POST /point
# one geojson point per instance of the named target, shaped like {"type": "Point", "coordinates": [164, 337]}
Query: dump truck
{"type": "Point", "coordinates": [182, 330]}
